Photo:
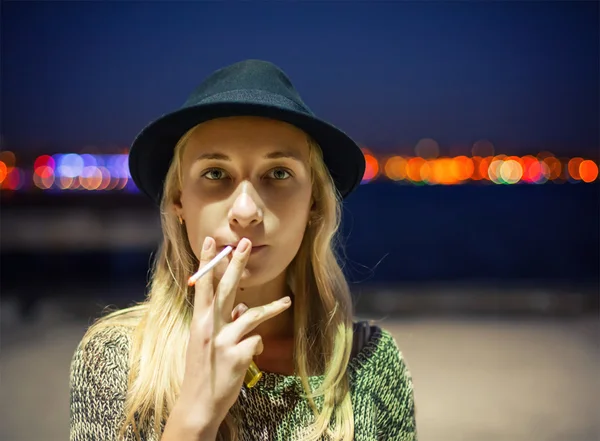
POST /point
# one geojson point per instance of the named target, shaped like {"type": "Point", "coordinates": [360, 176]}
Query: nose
{"type": "Point", "coordinates": [245, 211]}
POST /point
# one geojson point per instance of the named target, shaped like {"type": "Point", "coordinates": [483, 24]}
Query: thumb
{"type": "Point", "coordinates": [238, 311]}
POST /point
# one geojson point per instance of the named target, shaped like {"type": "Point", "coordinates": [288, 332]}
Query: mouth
{"type": "Point", "coordinates": [255, 249]}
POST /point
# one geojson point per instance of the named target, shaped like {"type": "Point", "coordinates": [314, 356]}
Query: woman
{"type": "Point", "coordinates": [243, 163]}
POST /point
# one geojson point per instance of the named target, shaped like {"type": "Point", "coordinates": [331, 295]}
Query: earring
{"type": "Point", "coordinates": [309, 222]}
{"type": "Point", "coordinates": [180, 220]}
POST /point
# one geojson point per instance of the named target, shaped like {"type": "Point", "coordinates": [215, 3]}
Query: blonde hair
{"type": "Point", "coordinates": [323, 315]}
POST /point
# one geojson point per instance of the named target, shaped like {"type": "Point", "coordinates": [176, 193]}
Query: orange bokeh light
{"type": "Point", "coordinates": [588, 171]}
{"type": "Point", "coordinates": [371, 168]}
{"type": "Point", "coordinates": [554, 167]}
{"type": "Point", "coordinates": [440, 171]}
{"type": "Point", "coordinates": [484, 166]}
{"type": "Point", "coordinates": [463, 168]}
{"type": "Point", "coordinates": [573, 167]}
{"type": "Point", "coordinates": [413, 168]}
{"type": "Point", "coordinates": [395, 168]}
{"type": "Point", "coordinates": [92, 178]}
{"type": "Point", "coordinates": [3, 171]}
{"type": "Point", "coordinates": [8, 158]}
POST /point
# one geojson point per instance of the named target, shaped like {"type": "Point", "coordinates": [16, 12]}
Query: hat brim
{"type": "Point", "coordinates": [152, 151]}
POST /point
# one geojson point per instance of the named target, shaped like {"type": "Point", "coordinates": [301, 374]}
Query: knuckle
{"type": "Point", "coordinates": [220, 343]}
{"type": "Point", "coordinates": [254, 315]}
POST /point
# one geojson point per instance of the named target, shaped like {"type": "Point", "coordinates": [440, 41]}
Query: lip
{"type": "Point", "coordinates": [255, 248]}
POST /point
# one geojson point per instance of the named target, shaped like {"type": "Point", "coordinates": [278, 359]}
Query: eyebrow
{"type": "Point", "coordinates": [272, 155]}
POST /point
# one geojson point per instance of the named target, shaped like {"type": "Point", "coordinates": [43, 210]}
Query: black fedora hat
{"type": "Point", "coordinates": [247, 88]}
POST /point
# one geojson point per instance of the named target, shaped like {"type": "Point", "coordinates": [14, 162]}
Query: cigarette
{"type": "Point", "coordinates": [202, 271]}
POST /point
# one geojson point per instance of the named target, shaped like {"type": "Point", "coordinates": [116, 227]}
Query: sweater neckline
{"type": "Point", "coordinates": [273, 382]}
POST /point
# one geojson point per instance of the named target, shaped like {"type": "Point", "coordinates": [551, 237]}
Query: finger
{"type": "Point", "coordinates": [249, 347]}
{"type": "Point", "coordinates": [220, 269]}
{"type": "Point", "coordinates": [226, 291]}
{"type": "Point", "coordinates": [237, 330]}
{"type": "Point", "coordinates": [204, 290]}
{"type": "Point", "coordinates": [238, 311]}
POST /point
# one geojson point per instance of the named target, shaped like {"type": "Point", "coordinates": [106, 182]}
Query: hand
{"type": "Point", "coordinates": [219, 352]}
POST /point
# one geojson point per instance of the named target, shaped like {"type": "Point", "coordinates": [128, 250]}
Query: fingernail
{"type": "Point", "coordinates": [243, 245]}
{"type": "Point", "coordinates": [286, 300]}
{"type": "Point", "coordinates": [206, 245]}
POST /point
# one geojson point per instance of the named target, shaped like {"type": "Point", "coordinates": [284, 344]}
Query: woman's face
{"type": "Point", "coordinates": [247, 177]}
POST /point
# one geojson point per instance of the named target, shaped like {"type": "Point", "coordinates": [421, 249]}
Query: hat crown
{"type": "Point", "coordinates": [246, 75]}
{"type": "Point", "coordinates": [246, 88]}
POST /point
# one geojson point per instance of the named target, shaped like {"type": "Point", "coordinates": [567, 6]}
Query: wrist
{"type": "Point", "coordinates": [193, 426]}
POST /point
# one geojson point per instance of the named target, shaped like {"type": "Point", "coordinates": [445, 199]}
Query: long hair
{"type": "Point", "coordinates": [323, 314]}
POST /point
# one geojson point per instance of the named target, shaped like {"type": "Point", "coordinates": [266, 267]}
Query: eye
{"type": "Point", "coordinates": [217, 174]}
{"type": "Point", "coordinates": [213, 174]}
{"type": "Point", "coordinates": [280, 174]}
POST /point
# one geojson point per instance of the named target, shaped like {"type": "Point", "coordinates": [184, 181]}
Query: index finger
{"type": "Point", "coordinates": [204, 290]}
{"type": "Point", "coordinates": [227, 289]}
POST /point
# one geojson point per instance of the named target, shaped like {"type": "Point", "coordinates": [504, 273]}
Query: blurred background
{"type": "Point", "coordinates": [474, 237]}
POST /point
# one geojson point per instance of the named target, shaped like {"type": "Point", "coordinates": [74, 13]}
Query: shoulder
{"type": "Point", "coordinates": [101, 360]}
{"type": "Point", "coordinates": [391, 386]}
{"type": "Point", "coordinates": [99, 382]}
{"type": "Point", "coordinates": [390, 360]}
{"type": "Point", "coordinates": [381, 369]}
{"type": "Point", "coordinates": [379, 350]}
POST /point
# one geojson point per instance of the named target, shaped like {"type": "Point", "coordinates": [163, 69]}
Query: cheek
{"type": "Point", "coordinates": [290, 233]}
{"type": "Point", "coordinates": [202, 216]}
{"type": "Point", "coordinates": [195, 238]}
{"type": "Point", "coordinates": [196, 230]}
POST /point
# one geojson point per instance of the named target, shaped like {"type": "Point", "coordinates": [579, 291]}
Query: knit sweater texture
{"type": "Point", "coordinates": [380, 383]}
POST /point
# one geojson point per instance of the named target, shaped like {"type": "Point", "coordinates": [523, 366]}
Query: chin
{"type": "Point", "coordinates": [251, 279]}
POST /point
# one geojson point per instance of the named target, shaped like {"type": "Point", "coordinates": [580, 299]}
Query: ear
{"type": "Point", "coordinates": [178, 207]}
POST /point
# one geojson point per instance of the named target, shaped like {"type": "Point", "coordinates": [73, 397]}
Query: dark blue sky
{"type": "Point", "coordinates": [524, 75]}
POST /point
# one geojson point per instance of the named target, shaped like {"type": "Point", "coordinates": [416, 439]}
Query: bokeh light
{"type": "Point", "coordinates": [483, 148]}
{"type": "Point", "coordinates": [43, 178]}
{"type": "Point", "coordinates": [484, 166]}
{"type": "Point", "coordinates": [427, 148]}
{"type": "Point", "coordinates": [14, 180]}
{"type": "Point", "coordinates": [70, 165]}
{"type": "Point", "coordinates": [90, 172]}
{"type": "Point", "coordinates": [462, 168]}
{"type": "Point", "coordinates": [44, 161]}
{"type": "Point", "coordinates": [3, 171]}
{"type": "Point", "coordinates": [395, 168]}
{"type": "Point", "coordinates": [554, 167]}
{"type": "Point", "coordinates": [413, 168]}
{"type": "Point", "coordinates": [8, 158]}
{"type": "Point", "coordinates": [573, 168]}
{"type": "Point", "coordinates": [588, 171]}
{"type": "Point", "coordinates": [494, 169]}
{"type": "Point", "coordinates": [511, 171]}
{"type": "Point", "coordinates": [371, 168]}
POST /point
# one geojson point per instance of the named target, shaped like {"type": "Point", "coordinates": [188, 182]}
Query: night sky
{"type": "Point", "coordinates": [523, 75]}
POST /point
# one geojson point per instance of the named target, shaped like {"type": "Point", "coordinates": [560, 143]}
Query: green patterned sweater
{"type": "Point", "coordinates": [380, 381]}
